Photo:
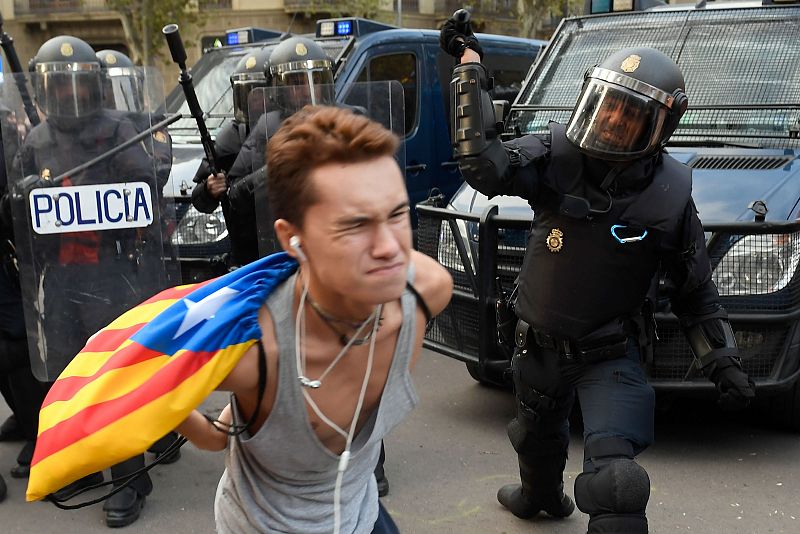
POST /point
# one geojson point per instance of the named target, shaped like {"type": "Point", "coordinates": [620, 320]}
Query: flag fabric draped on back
{"type": "Point", "coordinates": [141, 376]}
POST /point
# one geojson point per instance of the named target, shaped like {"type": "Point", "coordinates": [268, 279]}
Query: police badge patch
{"type": "Point", "coordinates": [251, 62]}
{"type": "Point", "coordinates": [555, 240]}
{"type": "Point", "coordinates": [301, 49]}
{"type": "Point", "coordinates": [66, 50]}
{"type": "Point", "coordinates": [631, 63]}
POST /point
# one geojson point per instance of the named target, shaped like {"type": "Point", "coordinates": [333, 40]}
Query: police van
{"type": "Point", "coordinates": [740, 136]}
{"type": "Point", "coordinates": [361, 50]}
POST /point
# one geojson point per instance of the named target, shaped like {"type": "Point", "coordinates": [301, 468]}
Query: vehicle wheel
{"type": "Point", "coordinates": [785, 409]}
{"type": "Point", "coordinates": [486, 378]}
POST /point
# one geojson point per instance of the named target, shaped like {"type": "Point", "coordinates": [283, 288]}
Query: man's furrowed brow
{"type": "Point", "coordinates": [353, 220]}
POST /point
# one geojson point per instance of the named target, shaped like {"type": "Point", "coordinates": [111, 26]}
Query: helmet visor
{"type": "Point", "coordinates": [242, 85]}
{"type": "Point", "coordinates": [124, 90]}
{"type": "Point", "coordinates": [615, 123]}
{"type": "Point", "coordinates": [68, 94]}
{"type": "Point", "coordinates": [309, 86]}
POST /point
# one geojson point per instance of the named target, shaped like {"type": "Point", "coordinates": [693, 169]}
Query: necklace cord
{"type": "Point", "coordinates": [300, 358]}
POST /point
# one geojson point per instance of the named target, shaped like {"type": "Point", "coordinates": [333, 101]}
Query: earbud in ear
{"type": "Point", "coordinates": [294, 242]}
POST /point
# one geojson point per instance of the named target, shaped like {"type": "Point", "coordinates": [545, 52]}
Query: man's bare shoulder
{"type": "Point", "coordinates": [433, 282]}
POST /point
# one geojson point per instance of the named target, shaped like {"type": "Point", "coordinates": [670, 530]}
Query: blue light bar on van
{"type": "Point", "coordinates": [241, 36]}
{"type": "Point", "coordinates": [348, 27]}
{"type": "Point", "coordinates": [232, 38]}
{"type": "Point", "coordinates": [336, 28]}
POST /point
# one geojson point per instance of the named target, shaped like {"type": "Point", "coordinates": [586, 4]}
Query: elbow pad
{"type": "Point", "coordinates": [471, 110]}
{"type": "Point", "coordinates": [482, 158]}
{"type": "Point", "coordinates": [711, 340]}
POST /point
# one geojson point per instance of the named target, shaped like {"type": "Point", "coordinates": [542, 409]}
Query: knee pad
{"type": "Point", "coordinates": [620, 486]}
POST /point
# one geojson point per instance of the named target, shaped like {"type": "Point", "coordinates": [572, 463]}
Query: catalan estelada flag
{"type": "Point", "coordinates": [141, 376]}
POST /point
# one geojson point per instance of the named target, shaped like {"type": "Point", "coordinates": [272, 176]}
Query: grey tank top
{"type": "Point", "coordinates": [282, 478]}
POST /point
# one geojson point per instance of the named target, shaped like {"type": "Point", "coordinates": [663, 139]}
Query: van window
{"type": "Point", "coordinates": [508, 71]}
{"type": "Point", "coordinates": [400, 67]}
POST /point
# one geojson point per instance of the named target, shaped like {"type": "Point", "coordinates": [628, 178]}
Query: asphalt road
{"type": "Point", "coordinates": [711, 472]}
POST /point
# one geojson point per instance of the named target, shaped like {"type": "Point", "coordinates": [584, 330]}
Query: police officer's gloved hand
{"type": "Point", "coordinates": [455, 37]}
{"type": "Point", "coordinates": [736, 389]}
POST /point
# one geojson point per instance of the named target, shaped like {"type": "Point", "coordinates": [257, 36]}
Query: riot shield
{"type": "Point", "coordinates": [88, 210]}
{"type": "Point", "coordinates": [381, 101]}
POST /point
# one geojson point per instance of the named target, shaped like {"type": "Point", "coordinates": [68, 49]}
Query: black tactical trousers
{"type": "Point", "coordinates": [615, 401]}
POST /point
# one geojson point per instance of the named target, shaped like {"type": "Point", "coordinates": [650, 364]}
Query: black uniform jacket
{"type": "Point", "coordinates": [577, 276]}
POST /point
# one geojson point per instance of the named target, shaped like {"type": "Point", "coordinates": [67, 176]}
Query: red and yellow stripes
{"type": "Point", "coordinates": [117, 387]}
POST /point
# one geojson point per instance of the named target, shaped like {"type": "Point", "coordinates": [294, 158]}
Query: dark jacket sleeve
{"type": "Point", "coordinates": [694, 296]}
{"type": "Point", "coordinates": [511, 168]}
{"type": "Point", "coordinates": [202, 200]}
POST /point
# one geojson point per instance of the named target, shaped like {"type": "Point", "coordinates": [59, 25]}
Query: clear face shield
{"type": "Point", "coordinates": [68, 90]}
{"type": "Point", "coordinates": [242, 85]}
{"type": "Point", "coordinates": [617, 122]}
{"type": "Point", "coordinates": [311, 82]}
{"type": "Point", "coordinates": [124, 89]}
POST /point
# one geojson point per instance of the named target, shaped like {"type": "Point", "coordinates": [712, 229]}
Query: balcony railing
{"type": "Point", "coordinates": [214, 4]}
{"type": "Point", "coordinates": [25, 7]}
{"type": "Point", "coordinates": [477, 7]}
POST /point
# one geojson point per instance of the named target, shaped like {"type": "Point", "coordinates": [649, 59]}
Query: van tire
{"type": "Point", "coordinates": [784, 409]}
{"type": "Point", "coordinates": [484, 378]}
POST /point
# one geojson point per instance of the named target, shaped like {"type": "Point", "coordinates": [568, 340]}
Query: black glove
{"type": "Point", "coordinates": [736, 389]}
{"type": "Point", "coordinates": [456, 36]}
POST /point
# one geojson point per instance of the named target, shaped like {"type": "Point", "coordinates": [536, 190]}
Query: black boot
{"type": "Point", "coordinates": [541, 490]}
{"type": "Point", "coordinates": [24, 459]}
{"type": "Point", "coordinates": [512, 496]}
{"type": "Point", "coordinates": [10, 431]}
{"type": "Point", "coordinates": [123, 508]}
{"type": "Point", "coordinates": [70, 490]}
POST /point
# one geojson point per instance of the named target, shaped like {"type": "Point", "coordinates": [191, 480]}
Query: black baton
{"type": "Point", "coordinates": [7, 42]}
{"type": "Point", "coordinates": [178, 52]}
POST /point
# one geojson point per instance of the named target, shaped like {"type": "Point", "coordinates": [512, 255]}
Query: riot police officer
{"type": "Point", "coordinates": [610, 207]}
{"type": "Point", "coordinates": [124, 92]}
{"type": "Point", "coordinates": [87, 278]}
{"type": "Point", "coordinates": [299, 73]}
{"type": "Point", "coordinates": [210, 191]}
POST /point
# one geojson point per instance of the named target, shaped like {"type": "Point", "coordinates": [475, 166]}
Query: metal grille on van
{"type": "Point", "coordinates": [740, 163]}
{"type": "Point", "coordinates": [741, 69]}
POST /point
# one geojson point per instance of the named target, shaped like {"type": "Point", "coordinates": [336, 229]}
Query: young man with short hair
{"type": "Point", "coordinates": [339, 336]}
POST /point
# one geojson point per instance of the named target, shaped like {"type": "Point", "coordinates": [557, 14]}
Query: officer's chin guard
{"type": "Point", "coordinates": [382, 102]}
{"type": "Point", "coordinates": [629, 106]}
{"type": "Point", "coordinates": [89, 214]}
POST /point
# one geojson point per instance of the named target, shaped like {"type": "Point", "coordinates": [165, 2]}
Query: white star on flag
{"type": "Point", "coordinates": [204, 310]}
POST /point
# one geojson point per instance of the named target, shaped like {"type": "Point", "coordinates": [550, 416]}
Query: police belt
{"type": "Point", "coordinates": [571, 349]}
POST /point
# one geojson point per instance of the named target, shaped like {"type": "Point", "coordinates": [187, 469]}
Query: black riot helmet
{"type": "Point", "coordinates": [303, 65]}
{"type": "Point", "coordinates": [248, 75]}
{"type": "Point", "coordinates": [67, 79]}
{"type": "Point", "coordinates": [123, 86]}
{"type": "Point", "coordinates": [629, 106]}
